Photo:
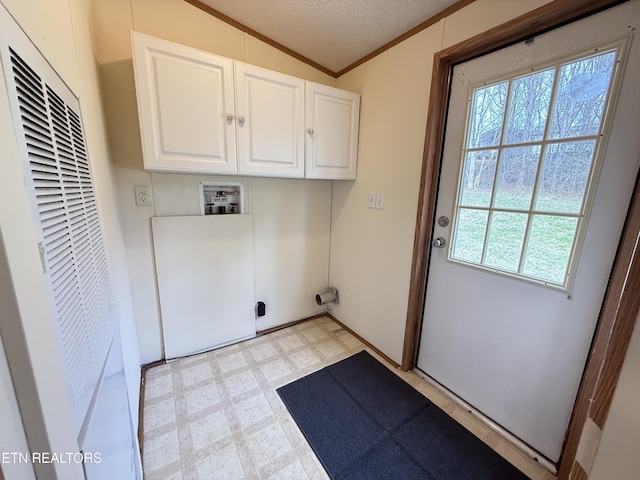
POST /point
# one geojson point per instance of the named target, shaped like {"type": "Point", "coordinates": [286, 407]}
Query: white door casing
{"type": "Point", "coordinates": [512, 349]}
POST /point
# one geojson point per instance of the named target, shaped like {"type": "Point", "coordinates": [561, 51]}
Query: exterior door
{"type": "Point", "coordinates": [539, 162]}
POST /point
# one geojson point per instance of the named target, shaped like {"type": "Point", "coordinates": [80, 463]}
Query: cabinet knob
{"type": "Point", "coordinates": [230, 117]}
{"type": "Point", "coordinates": [311, 131]}
{"type": "Point", "coordinates": [242, 119]}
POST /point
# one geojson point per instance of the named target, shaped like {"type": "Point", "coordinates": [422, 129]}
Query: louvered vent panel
{"type": "Point", "coordinates": [74, 250]}
{"type": "Point", "coordinates": [50, 200]}
{"type": "Point", "coordinates": [80, 340]}
{"type": "Point", "coordinates": [104, 296]}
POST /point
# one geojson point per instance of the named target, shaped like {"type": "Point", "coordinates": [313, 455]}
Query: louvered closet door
{"type": "Point", "coordinates": [57, 173]}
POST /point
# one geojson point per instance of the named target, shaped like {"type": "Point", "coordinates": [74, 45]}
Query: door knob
{"type": "Point", "coordinates": [439, 242]}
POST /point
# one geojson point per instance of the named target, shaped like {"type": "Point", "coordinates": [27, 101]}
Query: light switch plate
{"type": "Point", "coordinates": [372, 199]}
{"type": "Point", "coordinates": [380, 201]}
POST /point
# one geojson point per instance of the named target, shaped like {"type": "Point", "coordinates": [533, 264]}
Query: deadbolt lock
{"type": "Point", "coordinates": [443, 221]}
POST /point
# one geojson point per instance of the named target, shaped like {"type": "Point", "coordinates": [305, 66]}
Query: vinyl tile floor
{"type": "Point", "coordinates": [217, 415]}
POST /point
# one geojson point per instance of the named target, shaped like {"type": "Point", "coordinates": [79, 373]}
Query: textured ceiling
{"type": "Point", "coordinates": [332, 33]}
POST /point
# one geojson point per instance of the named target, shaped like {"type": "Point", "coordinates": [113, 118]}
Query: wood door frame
{"type": "Point", "coordinates": [622, 298]}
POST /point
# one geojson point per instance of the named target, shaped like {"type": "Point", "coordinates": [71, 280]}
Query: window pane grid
{"type": "Point", "coordinates": [547, 141]}
{"type": "Point", "coordinates": [525, 243]}
{"type": "Point", "coordinates": [523, 187]}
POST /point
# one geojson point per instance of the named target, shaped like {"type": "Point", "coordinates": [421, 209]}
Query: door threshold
{"type": "Point", "coordinates": [505, 434]}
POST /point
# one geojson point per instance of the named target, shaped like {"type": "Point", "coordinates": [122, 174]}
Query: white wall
{"type": "Point", "coordinates": [292, 217]}
{"type": "Point", "coordinates": [61, 31]}
{"type": "Point", "coordinates": [372, 250]}
{"type": "Point", "coordinates": [617, 456]}
{"type": "Point", "coordinates": [291, 230]}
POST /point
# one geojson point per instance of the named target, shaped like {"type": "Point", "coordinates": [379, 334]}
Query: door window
{"type": "Point", "coordinates": [529, 159]}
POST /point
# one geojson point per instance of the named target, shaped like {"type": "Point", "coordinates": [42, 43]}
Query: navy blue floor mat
{"type": "Point", "coordinates": [365, 422]}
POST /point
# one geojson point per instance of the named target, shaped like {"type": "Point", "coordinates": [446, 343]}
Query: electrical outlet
{"type": "Point", "coordinates": [372, 199]}
{"type": "Point", "coordinates": [143, 195]}
{"type": "Point", "coordinates": [380, 201]}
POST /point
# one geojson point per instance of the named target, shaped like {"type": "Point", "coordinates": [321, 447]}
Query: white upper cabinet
{"type": "Point", "coordinates": [332, 119]}
{"type": "Point", "coordinates": [184, 99]}
{"type": "Point", "coordinates": [270, 122]}
{"type": "Point", "coordinates": [202, 113]}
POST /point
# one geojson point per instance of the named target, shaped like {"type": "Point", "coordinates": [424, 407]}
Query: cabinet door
{"type": "Point", "coordinates": [332, 121]}
{"type": "Point", "coordinates": [270, 122]}
{"type": "Point", "coordinates": [184, 97]}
